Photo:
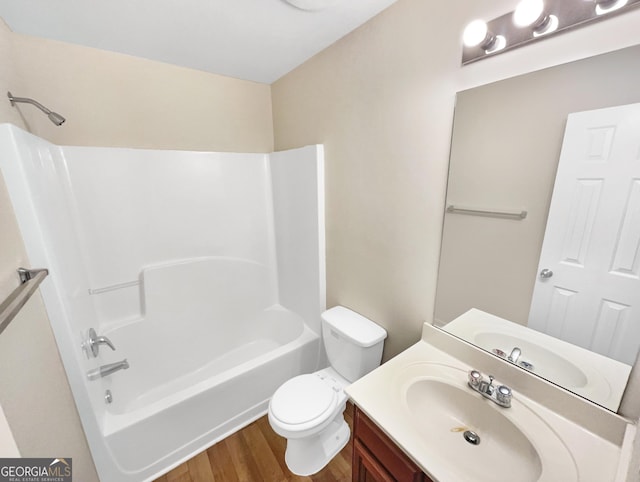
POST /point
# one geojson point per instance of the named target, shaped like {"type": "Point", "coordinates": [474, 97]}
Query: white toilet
{"type": "Point", "coordinates": [308, 409]}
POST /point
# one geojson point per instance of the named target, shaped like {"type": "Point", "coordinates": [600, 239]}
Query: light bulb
{"type": "Point", "coordinates": [475, 33]}
{"type": "Point", "coordinates": [528, 12]}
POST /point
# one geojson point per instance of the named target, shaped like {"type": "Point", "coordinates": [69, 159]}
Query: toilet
{"type": "Point", "coordinates": [308, 409]}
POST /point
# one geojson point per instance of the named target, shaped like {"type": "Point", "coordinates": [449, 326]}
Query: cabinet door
{"type": "Point", "coordinates": [366, 467]}
{"type": "Point", "coordinates": [376, 458]}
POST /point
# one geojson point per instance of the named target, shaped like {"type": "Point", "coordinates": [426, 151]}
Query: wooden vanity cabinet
{"type": "Point", "coordinates": [376, 458]}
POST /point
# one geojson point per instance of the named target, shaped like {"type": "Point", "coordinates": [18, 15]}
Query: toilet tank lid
{"type": "Point", "coordinates": [357, 328]}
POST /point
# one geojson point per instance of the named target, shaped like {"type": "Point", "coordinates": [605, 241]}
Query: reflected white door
{"type": "Point", "coordinates": [592, 240]}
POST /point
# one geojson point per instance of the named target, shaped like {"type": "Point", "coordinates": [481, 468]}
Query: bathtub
{"type": "Point", "coordinates": [150, 431]}
{"type": "Point", "coordinates": [196, 379]}
{"type": "Point", "coordinates": [205, 270]}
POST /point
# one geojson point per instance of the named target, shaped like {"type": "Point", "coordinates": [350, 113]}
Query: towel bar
{"type": "Point", "coordinates": [30, 279]}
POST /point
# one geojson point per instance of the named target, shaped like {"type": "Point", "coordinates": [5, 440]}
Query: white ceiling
{"type": "Point", "coordinates": [258, 40]}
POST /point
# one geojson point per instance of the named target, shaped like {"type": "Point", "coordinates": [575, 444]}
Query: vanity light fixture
{"type": "Point", "coordinates": [533, 20]}
{"type": "Point", "coordinates": [605, 6]}
{"type": "Point", "coordinates": [478, 35]}
{"type": "Point", "coordinates": [532, 13]}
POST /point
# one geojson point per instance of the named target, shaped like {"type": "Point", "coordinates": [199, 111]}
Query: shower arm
{"type": "Point", "coordinates": [26, 100]}
{"type": "Point", "coordinates": [54, 117]}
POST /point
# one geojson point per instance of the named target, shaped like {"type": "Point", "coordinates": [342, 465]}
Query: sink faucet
{"type": "Point", "coordinates": [106, 370]}
{"type": "Point", "coordinates": [500, 395]}
{"type": "Point", "coordinates": [486, 388]}
{"type": "Point", "coordinates": [515, 354]}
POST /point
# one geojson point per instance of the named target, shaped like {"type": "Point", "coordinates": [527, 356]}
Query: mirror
{"type": "Point", "coordinates": [506, 144]}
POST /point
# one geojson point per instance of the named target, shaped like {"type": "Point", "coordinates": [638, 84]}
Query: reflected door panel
{"type": "Point", "coordinates": [592, 242]}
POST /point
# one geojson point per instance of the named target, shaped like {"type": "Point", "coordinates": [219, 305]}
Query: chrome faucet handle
{"type": "Point", "coordinates": [503, 396]}
{"type": "Point", "coordinates": [93, 342]}
{"type": "Point", "coordinates": [475, 377]}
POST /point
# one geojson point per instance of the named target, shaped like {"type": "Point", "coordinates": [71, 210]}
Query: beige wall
{"type": "Point", "coordinates": [8, 76]}
{"type": "Point", "coordinates": [112, 99]}
{"type": "Point", "coordinates": [109, 100]}
{"type": "Point", "coordinates": [12, 253]}
{"type": "Point", "coordinates": [381, 100]}
{"type": "Point", "coordinates": [377, 102]}
{"type": "Point", "coordinates": [35, 394]}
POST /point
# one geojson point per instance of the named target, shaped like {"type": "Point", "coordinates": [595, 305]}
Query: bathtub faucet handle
{"type": "Point", "coordinates": [92, 344]}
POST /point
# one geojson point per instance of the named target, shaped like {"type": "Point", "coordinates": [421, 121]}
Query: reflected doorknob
{"type": "Point", "coordinates": [546, 273]}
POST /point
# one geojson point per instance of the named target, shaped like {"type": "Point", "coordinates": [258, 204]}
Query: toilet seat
{"type": "Point", "coordinates": [303, 402]}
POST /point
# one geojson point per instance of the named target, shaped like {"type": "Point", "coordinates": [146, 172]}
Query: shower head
{"type": "Point", "coordinates": [54, 117]}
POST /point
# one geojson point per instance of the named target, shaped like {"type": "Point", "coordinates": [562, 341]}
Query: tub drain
{"type": "Point", "coordinates": [471, 437]}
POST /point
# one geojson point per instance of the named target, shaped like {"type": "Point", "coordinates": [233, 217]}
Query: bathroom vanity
{"type": "Point", "coordinates": [377, 458]}
{"type": "Point", "coordinates": [417, 419]}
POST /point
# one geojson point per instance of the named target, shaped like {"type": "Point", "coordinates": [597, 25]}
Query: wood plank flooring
{"type": "Point", "coordinates": [256, 454]}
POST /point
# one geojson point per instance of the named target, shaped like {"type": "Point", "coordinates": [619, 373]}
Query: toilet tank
{"type": "Point", "coordinates": [353, 343]}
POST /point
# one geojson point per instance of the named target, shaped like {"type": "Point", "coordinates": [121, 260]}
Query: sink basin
{"type": "Point", "coordinates": [500, 439]}
{"type": "Point", "coordinates": [515, 444]}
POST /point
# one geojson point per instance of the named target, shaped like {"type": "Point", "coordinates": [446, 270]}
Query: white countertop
{"type": "Point", "coordinates": [596, 458]}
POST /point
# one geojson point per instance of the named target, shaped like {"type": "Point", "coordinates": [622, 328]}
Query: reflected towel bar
{"type": "Point", "coordinates": [30, 279]}
{"type": "Point", "coordinates": [482, 212]}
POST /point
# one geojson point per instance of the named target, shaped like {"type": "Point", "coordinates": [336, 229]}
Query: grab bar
{"type": "Point", "coordinates": [482, 212]}
{"type": "Point", "coordinates": [30, 279]}
{"type": "Point", "coordinates": [106, 289]}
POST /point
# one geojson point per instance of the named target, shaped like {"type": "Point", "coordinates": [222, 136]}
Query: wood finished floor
{"type": "Point", "coordinates": [256, 454]}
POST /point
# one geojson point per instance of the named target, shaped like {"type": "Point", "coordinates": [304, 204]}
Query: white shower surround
{"type": "Point", "coordinates": [206, 271]}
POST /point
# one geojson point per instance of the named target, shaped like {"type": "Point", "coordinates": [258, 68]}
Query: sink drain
{"type": "Point", "coordinates": [471, 437]}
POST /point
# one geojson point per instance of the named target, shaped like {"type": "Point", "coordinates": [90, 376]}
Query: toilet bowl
{"type": "Point", "coordinates": [308, 409]}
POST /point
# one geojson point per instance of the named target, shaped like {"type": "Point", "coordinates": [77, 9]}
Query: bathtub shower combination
{"type": "Point", "coordinates": [203, 271]}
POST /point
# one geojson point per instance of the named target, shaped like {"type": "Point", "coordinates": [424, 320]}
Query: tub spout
{"type": "Point", "coordinates": [106, 370]}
